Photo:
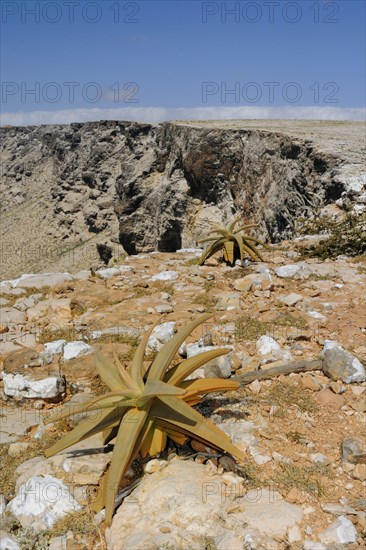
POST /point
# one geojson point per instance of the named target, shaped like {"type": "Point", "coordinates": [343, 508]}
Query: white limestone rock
{"type": "Point", "coordinates": [50, 350]}
{"type": "Point", "coordinates": [194, 504]}
{"type": "Point", "coordinates": [41, 501]}
{"type": "Point", "coordinates": [339, 364]}
{"type": "Point", "coordinates": [76, 349]}
{"type": "Point", "coordinates": [19, 385]}
{"type": "Point", "coordinates": [270, 350]}
{"type": "Point", "coordinates": [7, 542]}
{"type": "Point", "coordinates": [38, 280]}
{"type": "Point", "coordinates": [109, 272]}
{"type": "Point", "coordinates": [287, 271]}
{"type": "Point", "coordinates": [341, 531]}
{"type": "Point", "coordinates": [165, 276]}
{"type": "Point", "coordinates": [160, 336]}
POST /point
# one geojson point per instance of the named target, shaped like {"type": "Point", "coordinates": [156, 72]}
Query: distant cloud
{"type": "Point", "coordinates": [159, 114]}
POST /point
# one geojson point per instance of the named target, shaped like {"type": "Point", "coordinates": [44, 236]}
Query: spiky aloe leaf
{"type": "Point", "coordinates": [92, 425]}
{"type": "Point", "coordinates": [137, 369]}
{"type": "Point", "coordinates": [128, 433]}
{"type": "Point", "coordinates": [166, 355]}
{"type": "Point", "coordinates": [229, 251]}
{"type": "Point", "coordinates": [108, 372]}
{"type": "Point", "coordinates": [181, 416]}
{"type": "Point", "coordinates": [215, 247]}
{"type": "Point", "coordinates": [180, 372]}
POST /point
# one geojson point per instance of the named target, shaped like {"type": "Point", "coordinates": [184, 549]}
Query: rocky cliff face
{"type": "Point", "coordinates": [72, 194]}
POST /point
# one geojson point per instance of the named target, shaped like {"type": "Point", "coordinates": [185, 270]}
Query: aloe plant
{"type": "Point", "coordinates": [232, 242]}
{"type": "Point", "coordinates": [145, 407]}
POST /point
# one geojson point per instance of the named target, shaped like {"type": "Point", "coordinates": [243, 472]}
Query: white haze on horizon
{"type": "Point", "coordinates": [160, 114]}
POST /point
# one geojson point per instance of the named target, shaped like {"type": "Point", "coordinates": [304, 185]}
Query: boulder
{"type": "Point", "coordinates": [32, 386]}
{"type": "Point", "coordinates": [41, 501]}
{"type": "Point", "coordinates": [165, 276]}
{"type": "Point", "coordinates": [41, 280]}
{"type": "Point", "coordinates": [354, 450]}
{"type": "Point", "coordinates": [270, 350]}
{"type": "Point", "coordinates": [203, 507]}
{"type": "Point", "coordinates": [339, 364]}
{"type": "Point", "coordinates": [76, 349]}
{"type": "Point", "coordinates": [341, 531]}
{"type": "Point", "coordinates": [160, 335]}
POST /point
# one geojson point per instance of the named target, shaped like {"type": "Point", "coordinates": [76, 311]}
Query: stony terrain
{"type": "Point", "coordinates": [72, 195]}
{"type": "Point", "coordinates": [303, 483]}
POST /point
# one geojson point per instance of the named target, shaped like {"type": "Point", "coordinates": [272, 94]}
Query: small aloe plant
{"type": "Point", "coordinates": [232, 242]}
{"type": "Point", "coordinates": [145, 406]}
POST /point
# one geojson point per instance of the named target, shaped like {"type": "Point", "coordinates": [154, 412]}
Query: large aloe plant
{"type": "Point", "coordinates": [145, 406]}
{"type": "Point", "coordinates": [232, 242]}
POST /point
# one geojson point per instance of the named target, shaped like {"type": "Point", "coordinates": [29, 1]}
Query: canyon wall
{"type": "Point", "coordinates": [73, 194]}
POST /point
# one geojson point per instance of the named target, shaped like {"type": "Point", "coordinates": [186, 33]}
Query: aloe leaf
{"type": "Point", "coordinates": [176, 434]}
{"type": "Point", "coordinates": [136, 369]}
{"type": "Point", "coordinates": [257, 241]}
{"type": "Point", "coordinates": [229, 249]}
{"type": "Point", "coordinates": [239, 240]}
{"type": "Point", "coordinates": [233, 223]}
{"type": "Point", "coordinates": [178, 373]}
{"type": "Point", "coordinates": [207, 239]}
{"type": "Point", "coordinates": [253, 248]}
{"type": "Point", "coordinates": [177, 412]}
{"type": "Point", "coordinates": [157, 387]}
{"type": "Point", "coordinates": [128, 433]}
{"type": "Point", "coordinates": [147, 437]}
{"type": "Point", "coordinates": [165, 356]}
{"type": "Point", "coordinates": [125, 376]}
{"type": "Point", "coordinates": [215, 247]}
{"type": "Point", "coordinates": [110, 433]}
{"type": "Point", "coordinates": [100, 501]}
{"type": "Point", "coordinates": [245, 227]}
{"type": "Point", "coordinates": [108, 372]}
{"type": "Point", "coordinates": [250, 252]}
{"type": "Point", "coordinates": [93, 424]}
{"type": "Point", "coordinates": [158, 442]}
{"type": "Point", "coordinates": [207, 385]}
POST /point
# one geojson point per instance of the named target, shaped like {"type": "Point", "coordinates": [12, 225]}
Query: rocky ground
{"type": "Point", "coordinates": [303, 482]}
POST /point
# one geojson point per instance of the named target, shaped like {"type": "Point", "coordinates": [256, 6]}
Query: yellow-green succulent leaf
{"type": "Point", "coordinates": [175, 411]}
{"type": "Point", "coordinates": [108, 372]}
{"type": "Point", "coordinates": [164, 357]}
{"type": "Point", "coordinates": [257, 241]}
{"type": "Point", "coordinates": [211, 250]}
{"type": "Point", "coordinates": [158, 442]}
{"type": "Point", "coordinates": [233, 223]}
{"type": "Point", "coordinates": [207, 239]}
{"type": "Point", "coordinates": [180, 372]}
{"type": "Point", "coordinates": [158, 387]}
{"type": "Point", "coordinates": [245, 227]}
{"type": "Point", "coordinates": [125, 376]}
{"type": "Point", "coordinates": [130, 430]}
{"type": "Point", "coordinates": [253, 248]}
{"type": "Point", "coordinates": [229, 249]}
{"type": "Point", "coordinates": [110, 433]}
{"type": "Point", "coordinates": [202, 386]}
{"type": "Point", "coordinates": [155, 388]}
{"type": "Point", "coordinates": [93, 424]}
{"type": "Point", "coordinates": [240, 243]}
{"type": "Point", "coordinates": [137, 367]}
{"type": "Point", "coordinates": [147, 437]}
{"type": "Point", "coordinates": [249, 251]}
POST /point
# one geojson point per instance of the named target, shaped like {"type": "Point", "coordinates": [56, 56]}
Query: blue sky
{"type": "Point", "coordinates": [158, 60]}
